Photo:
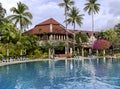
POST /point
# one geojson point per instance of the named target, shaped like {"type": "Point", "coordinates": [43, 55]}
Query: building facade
{"type": "Point", "coordinates": [54, 33]}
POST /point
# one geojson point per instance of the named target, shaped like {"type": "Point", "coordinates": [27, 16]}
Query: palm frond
{"type": "Point", "coordinates": [28, 14]}
{"type": "Point", "coordinates": [61, 4]}
{"type": "Point", "coordinates": [21, 15]}
{"type": "Point", "coordinates": [74, 17]}
{"type": "Point", "coordinates": [92, 6]}
{"type": "Point", "coordinates": [14, 10]}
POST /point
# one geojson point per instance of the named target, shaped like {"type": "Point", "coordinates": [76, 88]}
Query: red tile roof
{"type": "Point", "coordinates": [57, 28]}
{"type": "Point", "coordinates": [49, 21]}
{"type": "Point", "coordinates": [44, 27]}
{"type": "Point", "coordinates": [88, 33]}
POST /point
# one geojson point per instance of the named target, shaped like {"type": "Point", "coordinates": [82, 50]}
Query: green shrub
{"type": "Point", "coordinates": [117, 54]}
{"type": "Point", "coordinates": [1, 56]}
{"type": "Point", "coordinates": [44, 55]}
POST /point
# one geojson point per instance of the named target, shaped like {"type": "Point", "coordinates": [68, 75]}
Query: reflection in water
{"type": "Point", "coordinates": [71, 65]}
{"type": "Point", "coordinates": [62, 74]}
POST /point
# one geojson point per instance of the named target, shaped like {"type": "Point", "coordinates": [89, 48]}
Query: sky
{"type": "Point", "coordinates": [108, 16]}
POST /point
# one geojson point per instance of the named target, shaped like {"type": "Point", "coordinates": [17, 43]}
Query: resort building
{"type": "Point", "coordinates": [54, 33]}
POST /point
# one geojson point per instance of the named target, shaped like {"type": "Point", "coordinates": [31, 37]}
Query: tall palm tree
{"type": "Point", "coordinates": [66, 4]}
{"type": "Point", "coordinates": [74, 18]}
{"type": "Point", "coordinates": [21, 16]}
{"type": "Point", "coordinates": [92, 7]}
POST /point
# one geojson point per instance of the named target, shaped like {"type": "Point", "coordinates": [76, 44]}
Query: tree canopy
{"type": "Point", "coordinates": [109, 35]}
{"type": "Point", "coordinates": [21, 16]}
{"type": "Point", "coordinates": [101, 44]}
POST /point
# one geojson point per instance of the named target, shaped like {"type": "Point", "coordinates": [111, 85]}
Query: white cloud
{"type": "Point", "coordinates": [7, 4]}
{"type": "Point", "coordinates": [114, 8]}
{"type": "Point", "coordinates": [44, 9]}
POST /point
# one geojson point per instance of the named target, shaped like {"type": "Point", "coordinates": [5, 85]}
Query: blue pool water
{"type": "Point", "coordinates": [62, 74]}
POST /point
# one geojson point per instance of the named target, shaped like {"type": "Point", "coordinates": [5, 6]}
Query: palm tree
{"type": "Point", "coordinates": [66, 4]}
{"type": "Point", "coordinates": [92, 7]}
{"type": "Point", "coordinates": [109, 35]}
{"type": "Point", "coordinates": [116, 43]}
{"type": "Point", "coordinates": [74, 17]}
{"type": "Point", "coordinates": [81, 38]}
{"type": "Point", "coordinates": [21, 16]}
{"type": "Point", "coordinates": [117, 29]}
{"type": "Point", "coordinates": [8, 35]}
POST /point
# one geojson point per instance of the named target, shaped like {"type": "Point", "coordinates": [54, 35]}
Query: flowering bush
{"type": "Point", "coordinates": [101, 44]}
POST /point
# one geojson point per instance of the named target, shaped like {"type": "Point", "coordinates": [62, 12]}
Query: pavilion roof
{"type": "Point", "coordinates": [57, 28]}
{"type": "Point", "coordinates": [44, 27]}
{"type": "Point", "coordinates": [49, 21]}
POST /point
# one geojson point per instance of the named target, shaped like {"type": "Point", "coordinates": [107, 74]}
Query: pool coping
{"type": "Point", "coordinates": [35, 60]}
{"type": "Point", "coordinates": [22, 61]}
{"type": "Point", "coordinates": [28, 60]}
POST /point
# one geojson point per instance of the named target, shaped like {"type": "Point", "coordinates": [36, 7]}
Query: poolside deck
{"type": "Point", "coordinates": [56, 58]}
{"type": "Point", "coordinates": [21, 61]}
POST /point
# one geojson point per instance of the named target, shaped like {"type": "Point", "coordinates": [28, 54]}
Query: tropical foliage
{"type": "Point", "coordinates": [116, 42]}
{"type": "Point", "coordinates": [10, 41]}
{"type": "Point", "coordinates": [66, 4]}
{"type": "Point", "coordinates": [50, 46]}
{"type": "Point", "coordinates": [117, 29]}
{"type": "Point", "coordinates": [109, 35]}
{"type": "Point", "coordinates": [21, 16]}
{"type": "Point", "coordinates": [73, 18]}
{"type": "Point", "coordinates": [8, 35]}
{"type": "Point", "coordinates": [81, 38]}
{"type": "Point", "coordinates": [14, 42]}
{"type": "Point", "coordinates": [53, 44]}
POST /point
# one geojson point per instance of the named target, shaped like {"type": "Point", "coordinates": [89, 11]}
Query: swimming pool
{"type": "Point", "coordinates": [62, 74]}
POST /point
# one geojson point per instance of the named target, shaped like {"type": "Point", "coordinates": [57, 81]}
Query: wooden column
{"type": "Point", "coordinates": [65, 50]}
{"type": "Point", "coordinates": [83, 52]}
{"type": "Point", "coordinates": [97, 52]}
{"type": "Point", "coordinates": [104, 52]}
{"type": "Point", "coordinates": [90, 50]}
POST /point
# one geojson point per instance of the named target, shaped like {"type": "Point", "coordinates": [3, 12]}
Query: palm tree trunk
{"type": "Point", "coordinates": [20, 35]}
{"type": "Point", "coordinates": [92, 23]}
{"type": "Point", "coordinates": [7, 51]}
{"type": "Point", "coordinates": [20, 29]}
{"type": "Point", "coordinates": [82, 52]}
{"type": "Point", "coordinates": [67, 46]}
{"type": "Point", "coordinates": [21, 53]}
{"type": "Point", "coordinates": [74, 38]}
{"type": "Point", "coordinates": [97, 52]}
{"type": "Point", "coordinates": [104, 52]}
{"type": "Point", "coordinates": [92, 27]}
{"type": "Point", "coordinates": [49, 53]}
